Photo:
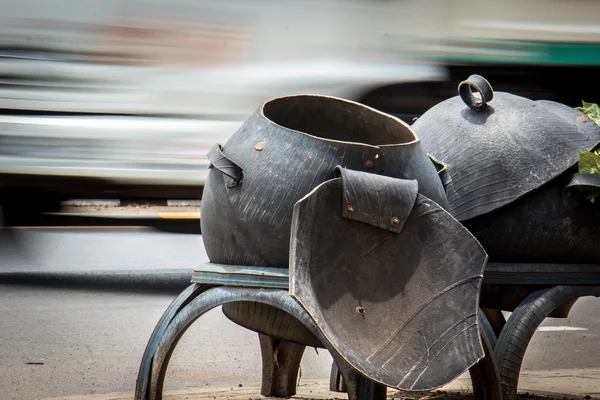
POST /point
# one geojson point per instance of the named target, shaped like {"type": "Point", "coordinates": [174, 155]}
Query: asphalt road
{"type": "Point", "coordinates": [59, 336]}
{"type": "Point", "coordinates": [62, 338]}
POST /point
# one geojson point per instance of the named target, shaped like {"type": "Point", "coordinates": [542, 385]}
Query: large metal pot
{"type": "Point", "coordinates": [282, 152]}
{"type": "Point", "coordinates": [509, 166]}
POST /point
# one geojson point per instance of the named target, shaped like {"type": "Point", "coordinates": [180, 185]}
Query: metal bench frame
{"type": "Point", "coordinates": [214, 285]}
{"type": "Point", "coordinates": [533, 292]}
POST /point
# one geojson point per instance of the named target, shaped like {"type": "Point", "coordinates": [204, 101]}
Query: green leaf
{"type": "Point", "coordinates": [591, 110]}
{"type": "Point", "coordinates": [589, 162]}
{"type": "Point", "coordinates": [592, 194]}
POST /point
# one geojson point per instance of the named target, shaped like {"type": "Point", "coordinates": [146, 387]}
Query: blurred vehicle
{"type": "Point", "coordinates": [123, 98]}
{"type": "Point", "coordinates": [541, 49]}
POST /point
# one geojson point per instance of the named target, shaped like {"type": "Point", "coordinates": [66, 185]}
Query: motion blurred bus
{"type": "Point", "coordinates": [123, 98]}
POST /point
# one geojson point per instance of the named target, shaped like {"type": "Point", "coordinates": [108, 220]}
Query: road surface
{"type": "Point", "coordinates": [57, 340]}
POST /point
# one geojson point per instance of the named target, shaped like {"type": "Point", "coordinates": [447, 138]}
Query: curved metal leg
{"type": "Point", "coordinates": [336, 383]}
{"type": "Point", "coordinates": [141, 385]}
{"type": "Point", "coordinates": [521, 326]}
{"type": "Point", "coordinates": [369, 390]}
{"type": "Point", "coordinates": [496, 320]}
{"type": "Point", "coordinates": [365, 389]}
{"type": "Point", "coordinates": [280, 365]}
{"type": "Point", "coordinates": [485, 376]}
{"type": "Point", "coordinates": [215, 297]}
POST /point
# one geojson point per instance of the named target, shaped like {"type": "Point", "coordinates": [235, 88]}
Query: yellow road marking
{"type": "Point", "coordinates": [180, 215]}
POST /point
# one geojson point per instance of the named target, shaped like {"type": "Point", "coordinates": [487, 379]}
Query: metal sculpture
{"type": "Point", "coordinates": [380, 274]}
{"type": "Point", "coordinates": [400, 239]}
{"type": "Point", "coordinates": [240, 286]}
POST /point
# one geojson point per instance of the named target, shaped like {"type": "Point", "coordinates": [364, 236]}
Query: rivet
{"type": "Point", "coordinates": [395, 221]}
{"type": "Point", "coordinates": [349, 209]}
{"type": "Point", "coordinates": [368, 164]}
{"type": "Point", "coordinates": [260, 146]}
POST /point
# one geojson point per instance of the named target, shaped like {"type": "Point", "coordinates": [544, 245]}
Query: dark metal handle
{"type": "Point", "coordinates": [479, 84]}
{"type": "Point", "coordinates": [225, 165]}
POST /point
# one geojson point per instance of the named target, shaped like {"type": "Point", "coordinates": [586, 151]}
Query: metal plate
{"type": "Point", "coordinates": [401, 308]}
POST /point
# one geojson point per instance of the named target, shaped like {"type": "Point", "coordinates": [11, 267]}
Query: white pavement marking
{"type": "Point", "coordinates": [92, 203]}
{"type": "Point", "coordinates": [560, 328]}
{"type": "Point", "coordinates": [184, 203]}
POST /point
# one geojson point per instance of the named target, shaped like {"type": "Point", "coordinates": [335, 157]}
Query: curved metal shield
{"type": "Point", "coordinates": [390, 278]}
{"type": "Point", "coordinates": [500, 152]}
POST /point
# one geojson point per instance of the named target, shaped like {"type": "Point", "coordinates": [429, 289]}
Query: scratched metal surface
{"type": "Point", "coordinates": [288, 147]}
{"type": "Point", "coordinates": [401, 308]}
{"type": "Point", "coordinates": [504, 151]}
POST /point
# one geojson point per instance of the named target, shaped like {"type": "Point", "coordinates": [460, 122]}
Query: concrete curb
{"type": "Point", "coordinates": [307, 389]}
{"type": "Point", "coordinates": [316, 389]}
{"type": "Point", "coordinates": [147, 280]}
{"type": "Point", "coordinates": [319, 390]}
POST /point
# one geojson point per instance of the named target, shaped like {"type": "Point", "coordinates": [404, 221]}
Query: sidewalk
{"type": "Point", "coordinates": [542, 385]}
